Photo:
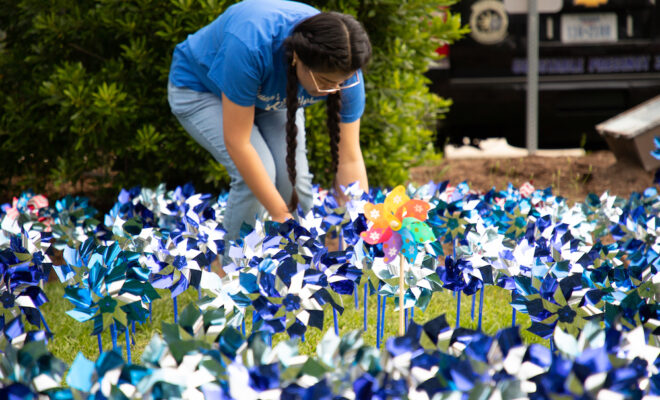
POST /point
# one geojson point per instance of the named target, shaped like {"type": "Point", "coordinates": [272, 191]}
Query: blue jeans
{"type": "Point", "coordinates": [201, 116]}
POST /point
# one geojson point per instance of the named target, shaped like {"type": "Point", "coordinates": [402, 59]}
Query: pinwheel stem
{"type": "Point", "coordinates": [513, 317]}
{"type": "Point", "coordinates": [406, 318]}
{"type": "Point", "coordinates": [113, 333]}
{"type": "Point", "coordinates": [382, 317]}
{"type": "Point", "coordinates": [243, 325]}
{"type": "Point", "coordinates": [334, 316]}
{"type": "Point", "coordinates": [128, 346]}
{"type": "Point", "coordinates": [133, 328]}
{"type": "Point", "coordinates": [100, 341]}
{"type": "Point", "coordinates": [43, 320]}
{"type": "Point", "coordinates": [481, 307]}
{"type": "Point", "coordinates": [458, 309]}
{"type": "Point", "coordinates": [176, 310]}
{"type": "Point", "coordinates": [366, 294]}
{"type": "Point", "coordinates": [474, 298]}
{"type": "Point", "coordinates": [402, 318]}
{"type": "Point", "coordinates": [378, 319]}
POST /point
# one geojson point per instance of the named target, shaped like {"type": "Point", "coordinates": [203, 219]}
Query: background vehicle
{"type": "Point", "coordinates": [597, 59]}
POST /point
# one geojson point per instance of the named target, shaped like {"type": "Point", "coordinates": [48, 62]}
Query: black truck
{"type": "Point", "coordinates": [597, 58]}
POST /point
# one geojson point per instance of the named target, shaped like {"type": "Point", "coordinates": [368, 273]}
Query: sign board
{"type": "Point", "coordinates": [589, 28]}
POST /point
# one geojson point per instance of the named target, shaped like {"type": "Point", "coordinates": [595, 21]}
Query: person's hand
{"type": "Point", "coordinates": [331, 243]}
{"type": "Point", "coordinates": [340, 196]}
{"type": "Point", "coordinates": [282, 217]}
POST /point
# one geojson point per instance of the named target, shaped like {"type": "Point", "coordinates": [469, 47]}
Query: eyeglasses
{"type": "Point", "coordinates": [339, 87]}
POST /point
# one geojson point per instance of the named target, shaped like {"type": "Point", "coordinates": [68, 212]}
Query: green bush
{"type": "Point", "coordinates": [83, 84]}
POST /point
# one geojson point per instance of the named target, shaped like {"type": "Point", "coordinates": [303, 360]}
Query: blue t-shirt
{"type": "Point", "coordinates": [241, 54]}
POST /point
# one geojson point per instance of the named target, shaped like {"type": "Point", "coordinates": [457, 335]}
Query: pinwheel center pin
{"type": "Point", "coordinates": [566, 314]}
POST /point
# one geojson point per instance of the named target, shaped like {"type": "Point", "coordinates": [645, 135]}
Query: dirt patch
{"type": "Point", "coordinates": [569, 177]}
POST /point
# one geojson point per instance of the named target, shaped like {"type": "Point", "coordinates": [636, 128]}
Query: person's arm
{"type": "Point", "coordinates": [237, 124]}
{"type": "Point", "coordinates": [351, 164]}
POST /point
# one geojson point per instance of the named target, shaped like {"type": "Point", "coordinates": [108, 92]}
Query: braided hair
{"type": "Point", "coordinates": [325, 42]}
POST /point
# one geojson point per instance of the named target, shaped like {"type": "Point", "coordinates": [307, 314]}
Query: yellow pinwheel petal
{"type": "Point", "coordinates": [395, 199]}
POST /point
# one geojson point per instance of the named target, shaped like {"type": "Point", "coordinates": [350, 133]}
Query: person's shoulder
{"type": "Point", "coordinates": [264, 13]}
{"type": "Point", "coordinates": [266, 6]}
{"type": "Point", "coordinates": [259, 22]}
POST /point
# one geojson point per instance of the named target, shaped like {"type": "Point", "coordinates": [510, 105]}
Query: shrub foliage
{"type": "Point", "coordinates": [83, 84]}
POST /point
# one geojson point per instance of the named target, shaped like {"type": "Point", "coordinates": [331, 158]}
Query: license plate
{"type": "Point", "coordinates": [589, 28]}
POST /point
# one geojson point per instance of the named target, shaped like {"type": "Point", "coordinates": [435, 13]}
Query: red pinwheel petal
{"type": "Point", "coordinates": [376, 235]}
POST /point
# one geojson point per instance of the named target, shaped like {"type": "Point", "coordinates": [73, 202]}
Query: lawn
{"type": "Point", "coordinates": [71, 337]}
{"type": "Point", "coordinates": [586, 273]}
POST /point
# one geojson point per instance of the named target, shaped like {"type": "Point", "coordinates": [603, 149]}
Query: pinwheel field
{"type": "Point", "coordinates": [557, 296]}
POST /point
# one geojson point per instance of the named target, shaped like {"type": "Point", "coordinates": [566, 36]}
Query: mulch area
{"type": "Point", "coordinates": [569, 177]}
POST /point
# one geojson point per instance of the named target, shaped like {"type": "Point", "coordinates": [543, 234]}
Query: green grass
{"type": "Point", "coordinates": [71, 337]}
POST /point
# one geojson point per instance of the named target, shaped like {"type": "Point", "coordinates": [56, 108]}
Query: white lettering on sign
{"type": "Point", "coordinates": [601, 65]}
{"type": "Point", "coordinates": [551, 66]}
{"type": "Point", "coordinates": [589, 33]}
{"type": "Point", "coordinates": [589, 28]}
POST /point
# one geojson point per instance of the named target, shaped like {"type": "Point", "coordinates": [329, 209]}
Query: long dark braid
{"type": "Point", "coordinates": [327, 41]}
{"type": "Point", "coordinates": [333, 105]}
{"type": "Point", "coordinates": [291, 129]}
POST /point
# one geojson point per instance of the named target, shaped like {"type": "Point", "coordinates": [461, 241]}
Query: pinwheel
{"type": "Point", "coordinates": [286, 276]}
{"type": "Point", "coordinates": [482, 248]}
{"type": "Point", "coordinates": [568, 267]}
{"type": "Point", "coordinates": [204, 356]}
{"type": "Point", "coordinates": [460, 276]}
{"type": "Point", "coordinates": [561, 303]}
{"type": "Point", "coordinates": [337, 223]}
{"type": "Point", "coordinates": [656, 153]}
{"type": "Point", "coordinates": [27, 213]}
{"type": "Point", "coordinates": [24, 266]}
{"type": "Point", "coordinates": [74, 222]}
{"type": "Point", "coordinates": [192, 356]}
{"type": "Point", "coordinates": [398, 224]}
{"type": "Point", "coordinates": [189, 247]}
{"type": "Point", "coordinates": [111, 288]}
{"type": "Point", "coordinates": [449, 221]}
{"type": "Point", "coordinates": [29, 370]}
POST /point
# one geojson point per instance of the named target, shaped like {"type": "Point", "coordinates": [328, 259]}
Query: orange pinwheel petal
{"type": "Point", "coordinates": [376, 214]}
{"type": "Point", "coordinates": [417, 209]}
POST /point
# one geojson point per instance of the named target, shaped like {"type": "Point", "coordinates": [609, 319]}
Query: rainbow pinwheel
{"type": "Point", "coordinates": [398, 224]}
